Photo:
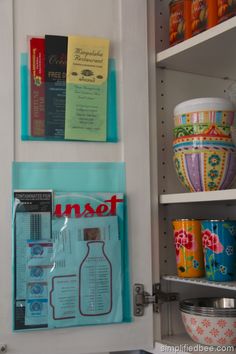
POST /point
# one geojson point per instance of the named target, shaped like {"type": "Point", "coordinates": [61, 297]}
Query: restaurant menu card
{"type": "Point", "coordinates": [86, 88]}
{"type": "Point", "coordinates": [55, 90]}
{"type": "Point", "coordinates": [37, 82]}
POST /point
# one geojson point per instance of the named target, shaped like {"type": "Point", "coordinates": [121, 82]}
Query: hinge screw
{"type": "Point", "coordinates": [3, 348]}
{"type": "Point", "coordinates": [138, 289]}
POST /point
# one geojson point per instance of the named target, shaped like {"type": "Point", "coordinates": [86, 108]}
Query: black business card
{"type": "Point", "coordinates": [55, 85]}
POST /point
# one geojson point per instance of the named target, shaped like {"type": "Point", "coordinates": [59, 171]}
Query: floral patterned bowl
{"type": "Point", "coordinates": [198, 129]}
{"type": "Point", "coordinates": [226, 118]}
{"type": "Point", "coordinates": [233, 134]}
{"type": "Point", "coordinates": [205, 110]}
{"type": "Point", "coordinates": [210, 321]}
{"type": "Point", "coordinates": [203, 142]}
{"type": "Point", "coordinates": [192, 149]}
{"type": "Point", "coordinates": [205, 170]}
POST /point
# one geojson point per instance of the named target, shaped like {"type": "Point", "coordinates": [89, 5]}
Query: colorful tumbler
{"type": "Point", "coordinates": [188, 247]}
{"type": "Point", "coordinates": [219, 243]}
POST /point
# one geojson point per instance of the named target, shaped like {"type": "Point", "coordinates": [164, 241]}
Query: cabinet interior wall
{"type": "Point", "coordinates": [171, 319]}
{"type": "Point", "coordinates": [173, 87]}
{"type": "Point", "coordinates": [171, 323]}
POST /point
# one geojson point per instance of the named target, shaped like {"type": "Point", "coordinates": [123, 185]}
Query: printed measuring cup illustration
{"type": "Point", "coordinates": [95, 281]}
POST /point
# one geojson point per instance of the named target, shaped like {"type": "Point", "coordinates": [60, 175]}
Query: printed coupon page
{"type": "Point", "coordinates": [39, 255]}
{"type": "Point", "coordinates": [86, 88]}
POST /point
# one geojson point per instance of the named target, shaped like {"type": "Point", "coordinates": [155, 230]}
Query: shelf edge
{"type": "Point", "coordinates": [196, 40]}
{"type": "Point", "coordinates": [201, 282]}
{"type": "Point", "coordinates": [197, 197]}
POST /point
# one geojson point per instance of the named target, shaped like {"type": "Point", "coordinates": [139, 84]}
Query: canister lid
{"type": "Point", "coordinates": [203, 104]}
{"type": "Point", "coordinates": [219, 220]}
{"type": "Point", "coordinates": [186, 220]}
{"type": "Point", "coordinates": [174, 2]}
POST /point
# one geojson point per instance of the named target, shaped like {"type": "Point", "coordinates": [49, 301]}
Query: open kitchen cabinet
{"type": "Point", "coordinates": [202, 66]}
{"type": "Point", "coordinates": [125, 24]}
{"type": "Point", "coordinates": [148, 88]}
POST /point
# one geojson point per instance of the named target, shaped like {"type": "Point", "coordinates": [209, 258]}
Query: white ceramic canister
{"type": "Point", "coordinates": [210, 110]}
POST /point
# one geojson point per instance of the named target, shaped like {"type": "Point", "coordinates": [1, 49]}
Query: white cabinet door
{"type": "Point", "coordinates": [125, 23]}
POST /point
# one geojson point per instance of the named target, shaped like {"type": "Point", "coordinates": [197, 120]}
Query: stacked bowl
{"type": "Point", "coordinates": [204, 153]}
{"type": "Point", "coordinates": [210, 321]}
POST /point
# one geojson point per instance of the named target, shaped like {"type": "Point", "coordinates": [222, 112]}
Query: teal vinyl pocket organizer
{"type": "Point", "coordinates": [112, 124]}
{"type": "Point", "coordinates": [70, 237]}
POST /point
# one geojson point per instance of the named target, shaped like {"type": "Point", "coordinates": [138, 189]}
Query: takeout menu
{"type": "Point", "coordinates": [68, 94]}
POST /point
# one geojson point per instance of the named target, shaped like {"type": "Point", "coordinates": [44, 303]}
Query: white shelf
{"type": "Point", "coordinates": [198, 197]}
{"type": "Point", "coordinates": [210, 53]}
{"type": "Point", "coordinates": [231, 285]}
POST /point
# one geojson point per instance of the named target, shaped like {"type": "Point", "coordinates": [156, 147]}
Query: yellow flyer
{"type": "Point", "coordinates": [86, 88]}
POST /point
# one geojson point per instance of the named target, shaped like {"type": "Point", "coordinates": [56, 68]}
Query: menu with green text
{"type": "Point", "coordinates": [86, 89]}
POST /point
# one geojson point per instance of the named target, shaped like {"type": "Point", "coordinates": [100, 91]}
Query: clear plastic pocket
{"type": "Point", "coordinates": [70, 252]}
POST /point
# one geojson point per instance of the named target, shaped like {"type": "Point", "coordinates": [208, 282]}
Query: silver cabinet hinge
{"type": "Point", "coordinates": [143, 299]}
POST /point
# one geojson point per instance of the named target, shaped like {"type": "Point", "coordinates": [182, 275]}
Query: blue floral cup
{"type": "Point", "coordinates": [219, 245]}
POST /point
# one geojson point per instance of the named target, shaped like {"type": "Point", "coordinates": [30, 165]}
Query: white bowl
{"type": "Point", "coordinates": [210, 321]}
{"type": "Point", "coordinates": [207, 110]}
{"type": "Point", "coordinates": [207, 330]}
{"type": "Point", "coordinates": [204, 104]}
